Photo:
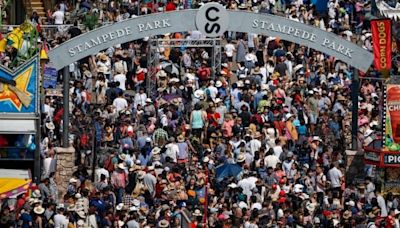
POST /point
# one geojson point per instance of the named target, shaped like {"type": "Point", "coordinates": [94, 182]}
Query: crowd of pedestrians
{"type": "Point", "coordinates": [260, 143]}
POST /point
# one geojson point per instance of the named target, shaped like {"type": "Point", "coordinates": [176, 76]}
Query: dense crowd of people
{"type": "Point", "coordinates": [260, 143]}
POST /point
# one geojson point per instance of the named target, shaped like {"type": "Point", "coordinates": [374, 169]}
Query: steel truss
{"type": "Point", "coordinates": [154, 56]}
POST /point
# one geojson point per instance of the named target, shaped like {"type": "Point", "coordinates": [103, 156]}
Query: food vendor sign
{"type": "Point", "coordinates": [391, 122]}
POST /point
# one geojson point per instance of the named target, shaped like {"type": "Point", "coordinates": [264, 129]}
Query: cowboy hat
{"type": "Point", "coordinates": [136, 203]}
{"type": "Point", "coordinates": [368, 132]}
{"type": "Point", "coordinates": [119, 207]}
{"type": "Point", "coordinates": [134, 167]}
{"type": "Point", "coordinates": [38, 210]}
{"type": "Point", "coordinates": [341, 98]}
{"type": "Point", "coordinates": [288, 116]}
{"type": "Point", "coordinates": [257, 70]}
{"type": "Point", "coordinates": [310, 207]}
{"type": "Point", "coordinates": [218, 84]}
{"type": "Point", "coordinates": [36, 194]}
{"type": "Point", "coordinates": [141, 174]}
{"type": "Point", "coordinates": [206, 159]}
{"type": "Point", "coordinates": [316, 138]}
{"type": "Point", "coordinates": [81, 214]}
{"type": "Point", "coordinates": [103, 57]}
{"type": "Point", "coordinates": [73, 180]}
{"type": "Point", "coordinates": [157, 150]}
{"type": "Point", "coordinates": [71, 207]}
{"type": "Point", "coordinates": [232, 185]}
{"type": "Point", "coordinates": [50, 126]}
{"type": "Point", "coordinates": [161, 74]}
{"type": "Point", "coordinates": [181, 138]}
{"type": "Point", "coordinates": [122, 157]}
{"type": "Point", "coordinates": [257, 135]}
{"type": "Point", "coordinates": [102, 69]}
{"type": "Point", "coordinates": [197, 213]}
{"type": "Point", "coordinates": [225, 65]}
{"type": "Point", "coordinates": [218, 100]}
{"type": "Point", "coordinates": [163, 223]}
{"type": "Point", "coordinates": [241, 158]}
{"type": "Point", "coordinates": [347, 214]}
{"type": "Point", "coordinates": [198, 93]}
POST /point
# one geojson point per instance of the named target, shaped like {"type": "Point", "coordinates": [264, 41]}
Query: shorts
{"type": "Point", "coordinates": [230, 59]}
{"type": "Point", "coordinates": [313, 118]}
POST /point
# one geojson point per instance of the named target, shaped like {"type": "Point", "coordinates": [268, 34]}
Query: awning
{"type": "Point", "coordinates": [14, 182]}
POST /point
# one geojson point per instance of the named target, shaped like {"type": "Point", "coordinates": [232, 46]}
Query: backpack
{"type": "Point", "coordinates": [108, 164]}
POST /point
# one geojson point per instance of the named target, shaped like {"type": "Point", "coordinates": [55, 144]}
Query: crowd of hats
{"type": "Point", "coordinates": [273, 131]}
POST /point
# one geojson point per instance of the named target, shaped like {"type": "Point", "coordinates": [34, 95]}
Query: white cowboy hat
{"type": "Point", "coordinates": [197, 213]}
{"type": "Point", "coordinates": [206, 159]}
{"type": "Point", "coordinates": [148, 100]}
{"type": "Point", "coordinates": [36, 194]}
{"type": "Point", "coordinates": [50, 126]}
{"type": "Point", "coordinates": [218, 84]}
{"type": "Point", "coordinates": [288, 116]}
{"type": "Point", "coordinates": [239, 83]}
{"type": "Point", "coordinates": [224, 65]}
{"type": "Point", "coordinates": [198, 93]}
{"type": "Point", "coordinates": [310, 207]}
{"type": "Point", "coordinates": [161, 73]}
{"type": "Point", "coordinates": [81, 214]}
{"type": "Point", "coordinates": [232, 185]}
{"type": "Point", "coordinates": [316, 138]}
{"type": "Point", "coordinates": [71, 207]}
{"type": "Point", "coordinates": [38, 210]}
{"type": "Point", "coordinates": [73, 180]}
{"type": "Point", "coordinates": [241, 158]}
{"type": "Point", "coordinates": [78, 195]}
{"type": "Point", "coordinates": [217, 100]}
{"type": "Point", "coordinates": [119, 207]}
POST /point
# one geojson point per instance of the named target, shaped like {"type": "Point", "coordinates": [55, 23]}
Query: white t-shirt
{"type": "Point", "coordinates": [121, 78]}
{"type": "Point", "coordinates": [320, 178]}
{"type": "Point", "coordinates": [229, 49]}
{"type": "Point", "coordinates": [334, 177]}
{"type": "Point", "coordinates": [172, 151]}
{"type": "Point", "coordinates": [277, 151]}
{"type": "Point", "coordinates": [58, 17]}
{"type": "Point", "coordinates": [60, 221]}
{"type": "Point", "coordinates": [271, 161]}
{"type": "Point", "coordinates": [120, 103]}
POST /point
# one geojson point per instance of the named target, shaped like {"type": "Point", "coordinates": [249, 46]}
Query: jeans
{"type": "Point", "coordinates": [120, 195]}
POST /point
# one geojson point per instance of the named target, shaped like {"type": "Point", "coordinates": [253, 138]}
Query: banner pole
{"type": "Point", "coordinates": [66, 107]}
{"type": "Point", "coordinates": [355, 86]}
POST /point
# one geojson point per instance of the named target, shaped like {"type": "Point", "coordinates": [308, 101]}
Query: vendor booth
{"type": "Point", "coordinates": [20, 118]}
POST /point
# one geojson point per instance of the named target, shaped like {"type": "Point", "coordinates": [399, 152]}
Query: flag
{"type": "Point", "coordinates": [26, 27]}
{"type": "Point", "coordinates": [382, 43]}
{"type": "Point", "coordinates": [44, 51]}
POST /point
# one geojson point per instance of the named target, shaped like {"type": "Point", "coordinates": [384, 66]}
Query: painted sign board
{"type": "Point", "coordinates": [19, 89]}
{"type": "Point", "coordinates": [212, 20]}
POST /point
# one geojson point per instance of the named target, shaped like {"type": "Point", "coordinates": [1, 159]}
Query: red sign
{"type": "Point", "coordinates": [382, 43]}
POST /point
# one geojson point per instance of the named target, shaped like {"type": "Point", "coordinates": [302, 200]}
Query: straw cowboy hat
{"type": "Point", "coordinates": [163, 223]}
{"type": "Point", "coordinates": [241, 158]}
{"type": "Point", "coordinates": [134, 167]}
{"type": "Point", "coordinates": [257, 135]}
{"type": "Point", "coordinates": [181, 138]}
{"type": "Point", "coordinates": [121, 166]}
{"type": "Point", "coordinates": [341, 98]}
{"type": "Point", "coordinates": [122, 157]}
{"type": "Point", "coordinates": [347, 214]}
{"type": "Point", "coordinates": [71, 207]}
{"type": "Point", "coordinates": [38, 210]}
{"type": "Point", "coordinates": [157, 150]}
{"type": "Point", "coordinates": [81, 214]}
{"type": "Point", "coordinates": [50, 126]}
{"type": "Point", "coordinates": [161, 74]}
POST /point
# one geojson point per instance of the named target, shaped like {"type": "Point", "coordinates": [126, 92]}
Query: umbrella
{"type": "Point", "coordinates": [228, 170]}
{"type": "Point", "coordinates": [170, 68]}
{"type": "Point", "coordinates": [279, 53]}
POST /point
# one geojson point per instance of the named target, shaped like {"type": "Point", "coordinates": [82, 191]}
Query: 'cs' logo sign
{"type": "Point", "coordinates": [212, 20]}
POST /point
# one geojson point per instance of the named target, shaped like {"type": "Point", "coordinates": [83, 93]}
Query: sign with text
{"type": "Point", "coordinates": [212, 20]}
{"type": "Point", "coordinates": [392, 118]}
{"type": "Point", "coordinates": [19, 88]}
{"type": "Point", "coordinates": [382, 43]}
{"type": "Point", "coordinates": [391, 159]}
{"type": "Point", "coordinates": [49, 77]}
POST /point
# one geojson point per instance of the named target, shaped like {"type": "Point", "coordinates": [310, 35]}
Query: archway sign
{"type": "Point", "coordinates": [212, 19]}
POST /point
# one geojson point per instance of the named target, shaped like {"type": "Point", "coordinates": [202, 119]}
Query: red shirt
{"type": "Point", "coordinates": [216, 116]}
{"type": "Point", "coordinates": [170, 6]}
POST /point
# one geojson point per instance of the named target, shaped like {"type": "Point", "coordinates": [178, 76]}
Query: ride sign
{"type": "Point", "coordinates": [212, 20]}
